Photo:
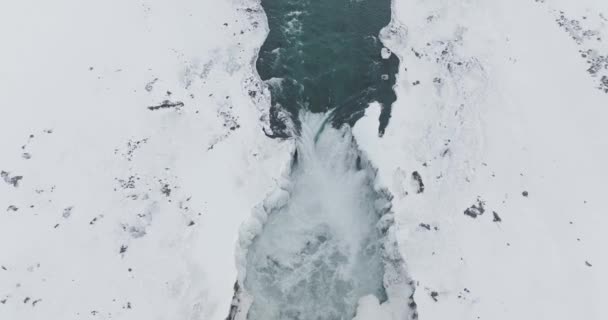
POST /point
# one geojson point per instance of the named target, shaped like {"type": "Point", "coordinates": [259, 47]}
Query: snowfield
{"type": "Point", "coordinates": [506, 132]}
{"type": "Point", "coordinates": [132, 151]}
{"type": "Point", "coordinates": [126, 211]}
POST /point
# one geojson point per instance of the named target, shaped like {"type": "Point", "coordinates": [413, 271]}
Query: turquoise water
{"type": "Point", "coordinates": [323, 55]}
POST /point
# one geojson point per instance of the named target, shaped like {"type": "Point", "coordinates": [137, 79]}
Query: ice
{"type": "Point", "coordinates": [385, 53]}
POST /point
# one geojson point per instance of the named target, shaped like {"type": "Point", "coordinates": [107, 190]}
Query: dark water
{"type": "Point", "coordinates": [321, 251]}
{"type": "Point", "coordinates": [325, 55]}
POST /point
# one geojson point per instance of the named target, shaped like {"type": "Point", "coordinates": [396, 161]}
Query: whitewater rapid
{"type": "Point", "coordinates": [322, 241]}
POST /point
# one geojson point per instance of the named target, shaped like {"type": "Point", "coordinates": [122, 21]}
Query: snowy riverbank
{"type": "Point", "coordinates": [126, 211]}
{"type": "Point", "coordinates": [499, 119]}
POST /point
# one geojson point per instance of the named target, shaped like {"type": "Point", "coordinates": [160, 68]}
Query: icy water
{"type": "Point", "coordinates": [319, 253]}
{"type": "Point", "coordinates": [321, 247]}
{"type": "Point", "coordinates": [324, 55]}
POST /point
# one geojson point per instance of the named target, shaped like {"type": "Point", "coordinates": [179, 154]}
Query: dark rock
{"type": "Point", "coordinates": [476, 209]}
{"type": "Point", "coordinates": [166, 105]}
{"type": "Point", "coordinates": [416, 176]}
{"type": "Point", "coordinates": [417, 54]}
{"type": "Point", "coordinates": [234, 306]}
{"type": "Point", "coordinates": [496, 217]}
{"type": "Point", "coordinates": [434, 295]}
{"type": "Point", "coordinates": [412, 304]}
{"type": "Point", "coordinates": [166, 190]}
{"type": "Point", "coordinates": [14, 180]}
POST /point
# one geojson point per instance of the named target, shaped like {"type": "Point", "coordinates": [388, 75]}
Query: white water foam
{"type": "Point", "coordinates": [321, 242]}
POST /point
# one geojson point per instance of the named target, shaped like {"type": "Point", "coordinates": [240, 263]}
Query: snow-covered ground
{"type": "Point", "coordinates": [506, 131]}
{"type": "Point", "coordinates": [126, 211]}
{"type": "Point", "coordinates": [136, 129]}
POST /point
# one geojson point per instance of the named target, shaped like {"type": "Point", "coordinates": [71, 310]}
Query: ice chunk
{"type": "Point", "coordinates": [385, 53]}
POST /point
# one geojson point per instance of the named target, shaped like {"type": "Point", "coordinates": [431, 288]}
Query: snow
{"type": "Point", "coordinates": [157, 196]}
{"type": "Point", "coordinates": [385, 53]}
{"type": "Point", "coordinates": [520, 113]}
{"type": "Point", "coordinates": [370, 308]}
